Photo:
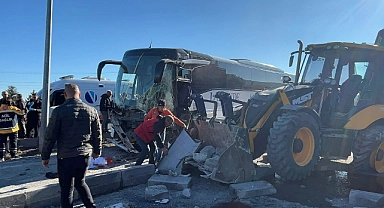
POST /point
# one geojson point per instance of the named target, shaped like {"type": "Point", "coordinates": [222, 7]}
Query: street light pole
{"type": "Point", "coordinates": [47, 68]}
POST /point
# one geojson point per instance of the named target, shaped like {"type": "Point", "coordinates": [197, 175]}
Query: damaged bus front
{"type": "Point", "coordinates": [182, 77]}
{"type": "Point", "coordinates": [136, 93]}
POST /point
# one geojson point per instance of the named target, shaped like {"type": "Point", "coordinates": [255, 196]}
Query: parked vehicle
{"type": "Point", "coordinates": [91, 90]}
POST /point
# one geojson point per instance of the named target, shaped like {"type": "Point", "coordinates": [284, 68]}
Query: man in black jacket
{"type": "Point", "coordinates": [105, 105]}
{"type": "Point", "coordinates": [21, 118]}
{"type": "Point", "coordinates": [4, 95]}
{"type": "Point", "coordinates": [33, 115]}
{"type": "Point", "coordinates": [76, 128]}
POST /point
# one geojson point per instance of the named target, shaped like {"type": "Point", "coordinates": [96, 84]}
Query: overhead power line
{"type": "Point", "coordinates": [75, 73]}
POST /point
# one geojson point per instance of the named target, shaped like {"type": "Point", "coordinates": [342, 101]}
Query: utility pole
{"type": "Point", "coordinates": [47, 68]}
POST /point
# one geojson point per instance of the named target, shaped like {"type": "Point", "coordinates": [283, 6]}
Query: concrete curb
{"type": "Point", "coordinates": [47, 192]}
{"type": "Point", "coordinates": [28, 143]}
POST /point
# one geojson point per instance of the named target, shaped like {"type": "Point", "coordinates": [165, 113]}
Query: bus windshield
{"type": "Point", "coordinates": [124, 88]}
{"type": "Point", "coordinates": [135, 82]}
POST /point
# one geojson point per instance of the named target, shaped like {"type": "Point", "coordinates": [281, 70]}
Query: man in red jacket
{"type": "Point", "coordinates": [163, 111]}
{"type": "Point", "coordinates": [150, 131]}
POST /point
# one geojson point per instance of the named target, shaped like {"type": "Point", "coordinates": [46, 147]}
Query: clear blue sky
{"type": "Point", "coordinates": [87, 32]}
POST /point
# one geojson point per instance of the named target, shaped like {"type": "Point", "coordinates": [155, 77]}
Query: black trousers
{"type": "Point", "coordinates": [72, 175]}
{"type": "Point", "coordinates": [32, 124]}
{"type": "Point", "coordinates": [12, 144]}
{"type": "Point", "coordinates": [22, 128]}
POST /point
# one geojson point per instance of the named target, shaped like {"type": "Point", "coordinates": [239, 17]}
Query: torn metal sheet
{"type": "Point", "coordinates": [183, 146]}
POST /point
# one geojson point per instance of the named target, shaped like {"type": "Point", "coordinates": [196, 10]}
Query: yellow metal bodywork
{"type": "Point", "coordinates": [365, 117]}
{"type": "Point", "coordinates": [255, 130]}
{"type": "Point", "coordinates": [284, 97]}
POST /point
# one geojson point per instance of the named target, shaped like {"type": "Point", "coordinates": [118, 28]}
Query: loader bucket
{"type": "Point", "coordinates": [232, 161]}
{"type": "Point", "coordinates": [234, 166]}
{"type": "Point", "coordinates": [222, 153]}
{"type": "Point", "coordinates": [222, 135]}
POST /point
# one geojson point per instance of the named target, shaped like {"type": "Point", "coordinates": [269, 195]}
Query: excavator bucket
{"type": "Point", "coordinates": [222, 135]}
{"type": "Point", "coordinates": [234, 165]}
{"type": "Point", "coordinates": [232, 161]}
{"type": "Point", "coordinates": [222, 153]}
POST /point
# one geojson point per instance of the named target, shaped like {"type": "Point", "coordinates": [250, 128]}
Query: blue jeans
{"type": "Point", "coordinates": [144, 150]}
{"type": "Point", "coordinates": [159, 151]}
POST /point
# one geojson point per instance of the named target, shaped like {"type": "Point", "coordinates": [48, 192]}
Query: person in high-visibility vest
{"type": "Point", "coordinates": [8, 127]}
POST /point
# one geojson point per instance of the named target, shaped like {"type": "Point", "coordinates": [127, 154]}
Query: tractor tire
{"type": "Point", "coordinates": [294, 145]}
{"type": "Point", "coordinates": [365, 143]}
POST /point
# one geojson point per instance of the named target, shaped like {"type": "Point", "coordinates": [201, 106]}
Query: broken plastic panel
{"type": "Point", "coordinates": [183, 146]}
{"type": "Point", "coordinates": [223, 153]}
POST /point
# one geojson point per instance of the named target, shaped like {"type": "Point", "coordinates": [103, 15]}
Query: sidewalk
{"type": "Point", "coordinates": [24, 183]}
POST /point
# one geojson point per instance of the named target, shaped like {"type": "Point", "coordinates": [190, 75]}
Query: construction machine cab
{"type": "Point", "coordinates": [348, 91]}
{"type": "Point", "coordinates": [346, 84]}
{"type": "Point", "coordinates": [349, 66]}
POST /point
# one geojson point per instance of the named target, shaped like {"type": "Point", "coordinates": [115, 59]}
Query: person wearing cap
{"type": "Point", "coordinates": [148, 132]}
{"type": "Point", "coordinates": [34, 115]}
{"type": "Point", "coordinates": [105, 105]}
{"type": "Point", "coordinates": [163, 111]}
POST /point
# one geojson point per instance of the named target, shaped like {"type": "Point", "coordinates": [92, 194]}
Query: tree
{"type": "Point", "coordinates": [12, 91]}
